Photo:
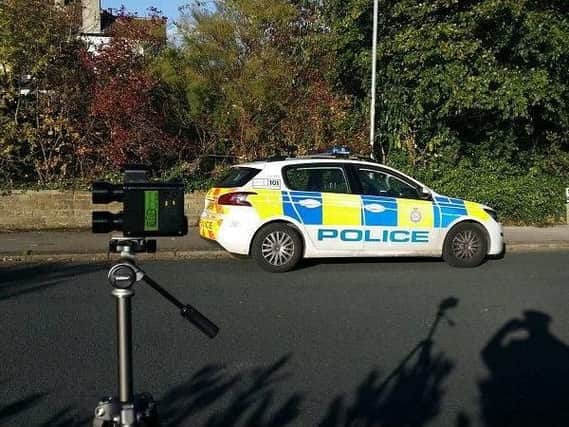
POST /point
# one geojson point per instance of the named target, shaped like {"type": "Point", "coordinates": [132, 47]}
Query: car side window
{"type": "Point", "coordinates": [324, 179]}
{"type": "Point", "coordinates": [378, 183]}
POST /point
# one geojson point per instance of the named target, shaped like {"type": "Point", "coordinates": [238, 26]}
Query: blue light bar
{"type": "Point", "coordinates": [339, 151]}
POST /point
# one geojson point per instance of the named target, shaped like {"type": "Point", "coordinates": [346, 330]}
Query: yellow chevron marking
{"type": "Point", "coordinates": [475, 211]}
{"type": "Point", "coordinates": [341, 209]}
{"type": "Point", "coordinates": [415, 213]}
{"type": "Point", "coordinates": [267, 203]}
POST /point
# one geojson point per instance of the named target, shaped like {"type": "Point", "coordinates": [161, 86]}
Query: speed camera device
{"type": "Point", "coordinates": [150, 209]}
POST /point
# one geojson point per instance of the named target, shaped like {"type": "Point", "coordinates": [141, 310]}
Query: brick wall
{"type": "Point", "coordinates": [50, 210]}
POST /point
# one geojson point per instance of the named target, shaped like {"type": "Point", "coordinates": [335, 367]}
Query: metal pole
{"type": "Point", "coordinates": [124, 347]}
{"type": "Point", "coordinates": [567, 203]}
{"type": "Point", "coordinates": [373, 73]}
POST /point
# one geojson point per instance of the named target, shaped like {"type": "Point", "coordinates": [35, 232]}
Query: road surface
{"type": "Point", "coordinates": [333, 343]}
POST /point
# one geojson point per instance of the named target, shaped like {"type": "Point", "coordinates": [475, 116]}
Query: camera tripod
{"type": "Point", "coordinates": [128, 409]}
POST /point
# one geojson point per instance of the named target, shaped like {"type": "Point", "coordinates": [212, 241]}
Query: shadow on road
{"type": "Point", "coordinates": [67, 417]}
{"type": "Point", "coordinates": [410, 395]}
{"type": "Point", "coordinates": [216, 396]}
{"type": "Point", "coordinates": [248, 398]}
{"type": "Point", "coordinates": [22, 279]}
{"type": "Point", "coordinates": [528, 383]}
{"type": "Point", "coordinates": [21, 405]}
{"type": "Point", "coordinates": [313, 262]}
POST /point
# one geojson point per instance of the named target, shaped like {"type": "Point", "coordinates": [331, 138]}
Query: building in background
{"type": "Point", "coordinates": [97, 23]}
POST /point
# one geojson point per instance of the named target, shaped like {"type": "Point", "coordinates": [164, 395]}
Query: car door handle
{"type": "Point", "coordinates": [310, 203]}
{"type": "Point", "coordinates": [375, 208]}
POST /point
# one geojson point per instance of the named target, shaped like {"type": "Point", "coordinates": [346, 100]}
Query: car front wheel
{"type": "Point", "coordinates": [466, 245]}
{"type": "Point", "coordinates": [277, 248]}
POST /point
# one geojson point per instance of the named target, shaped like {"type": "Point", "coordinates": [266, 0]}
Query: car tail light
{"type": "Point", "coordinates": [234, 199]}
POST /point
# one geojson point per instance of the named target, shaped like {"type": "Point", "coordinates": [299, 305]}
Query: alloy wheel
{"type": "Point", "coordinates": [277, 248]}
{"type": "Point", "coordinates": [466, 244]}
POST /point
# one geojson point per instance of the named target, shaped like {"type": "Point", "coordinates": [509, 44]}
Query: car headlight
{"type": "Point", "coordinates": [492, 213]}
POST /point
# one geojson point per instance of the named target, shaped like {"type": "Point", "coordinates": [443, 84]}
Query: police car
{"type": "Point", "coordinates": [282, 210]}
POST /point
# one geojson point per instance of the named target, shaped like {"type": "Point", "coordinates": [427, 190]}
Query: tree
{"type": "Point", "coordinates": [252, 80]}
{"type": "Point", "coordinates": [41, 83]}
{"type": "Point", "coordinates": [457, 78]}
{"type": "Point", "coordinates": [125, 100]}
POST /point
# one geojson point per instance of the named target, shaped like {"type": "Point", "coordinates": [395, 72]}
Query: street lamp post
{"type": "Point", "coordinates": [373, 73]}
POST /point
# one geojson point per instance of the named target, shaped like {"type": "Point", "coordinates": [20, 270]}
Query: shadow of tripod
{"type": "Point", "coordinates": [409, 396]}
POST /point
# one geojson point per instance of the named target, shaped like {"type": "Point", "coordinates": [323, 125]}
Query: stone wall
{"type": "Point", "coordinates": [52, 210]}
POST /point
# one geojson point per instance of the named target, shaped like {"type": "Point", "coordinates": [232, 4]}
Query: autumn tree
{"type": "Point", "coordinates": [42, 88]}
{"type": "Point", "coordinates": [250, 84]}
{"type": "Point", "coordinates": [125, 103]}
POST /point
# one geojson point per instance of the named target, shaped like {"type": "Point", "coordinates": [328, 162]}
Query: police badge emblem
{"type": "Point", "coordinates": [416, 215]}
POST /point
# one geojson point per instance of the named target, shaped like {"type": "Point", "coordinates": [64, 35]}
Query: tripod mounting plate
{"type": "Point", "coordinates": [132, 245]}
{"type": "Point", "coordinates": [111, 411]}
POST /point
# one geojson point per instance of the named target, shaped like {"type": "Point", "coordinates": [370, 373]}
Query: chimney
{"type": "Point", "coordinates": [91, 14]}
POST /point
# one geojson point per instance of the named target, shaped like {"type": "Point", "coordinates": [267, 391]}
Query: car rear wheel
{"type": "Point", "coordinates": [466, 245]}
{"type": "Point", "coordinates": [277, 248]}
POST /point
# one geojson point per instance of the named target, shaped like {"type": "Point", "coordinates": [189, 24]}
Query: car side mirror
{"type": "Point", "coordinates": [425, 194]}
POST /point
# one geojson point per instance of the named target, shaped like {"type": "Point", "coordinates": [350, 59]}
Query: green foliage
{"type": "Point", "coordinates": [519, 194]}
{"type": "Point", "coordinates": [38, 133]}
{"type": "Point", "coordinates": [460, 72]}
{"type": "Point", "coordinates": [519, 199]}
{"type": "Point", "coordinates": [193, 179]}
{"type": "Point", "coordinates": [251, 74]}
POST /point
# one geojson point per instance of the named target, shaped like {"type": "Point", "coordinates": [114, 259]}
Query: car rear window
{"type": "Point", "coordinates": [237, 177]}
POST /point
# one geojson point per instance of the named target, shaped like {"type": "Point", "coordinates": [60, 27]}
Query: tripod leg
{"type": "Point", "coordinates": [124, 335]}
{"type": "Point", "coordinates": [126, 410]}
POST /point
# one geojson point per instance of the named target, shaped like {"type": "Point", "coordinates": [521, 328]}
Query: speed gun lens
{"type": "Point", "coordinates": [105, 222]}
{"type": "Point", "coordinates": [104, 192]}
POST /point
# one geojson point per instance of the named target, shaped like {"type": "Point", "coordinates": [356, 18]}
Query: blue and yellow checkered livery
{"type": "Point", "coordinates": [312, 208]}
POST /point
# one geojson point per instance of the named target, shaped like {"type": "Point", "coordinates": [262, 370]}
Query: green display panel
{"type": "Point", "coordinates": [151, 207]}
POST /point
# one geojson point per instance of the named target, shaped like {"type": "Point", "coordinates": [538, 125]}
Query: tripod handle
{"type": "Point", "coordinates": [199, 320]}
{"type": "Point", "coordinates": [186, 310]}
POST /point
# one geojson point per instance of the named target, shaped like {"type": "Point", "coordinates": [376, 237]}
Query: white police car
{"type": "Point", "coordinates": [280, 211]}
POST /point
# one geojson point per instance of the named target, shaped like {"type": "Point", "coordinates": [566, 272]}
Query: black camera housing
{"type": "Point", "coordinates": [151, 209]}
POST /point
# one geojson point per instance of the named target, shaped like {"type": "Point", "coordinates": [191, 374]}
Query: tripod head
{"type": "Point", "coordinates": [132, 245]}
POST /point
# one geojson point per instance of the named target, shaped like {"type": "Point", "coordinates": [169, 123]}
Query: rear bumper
{"type": "Point", "coordinates": [209, 227]}
{"type": "Point", "coordinates": [234, 231]}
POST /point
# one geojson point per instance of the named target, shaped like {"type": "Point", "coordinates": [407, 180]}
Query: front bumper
{"type": "Point", "coordinates": [497, 244]}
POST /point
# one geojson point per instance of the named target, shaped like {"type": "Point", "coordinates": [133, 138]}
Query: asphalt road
{"type": "Point", "coordinates": [331, 344]}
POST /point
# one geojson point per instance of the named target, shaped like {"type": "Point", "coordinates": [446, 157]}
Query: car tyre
{"type": "Point", "coordinates": [277, 248]}
{"type": "Point", "coordinates": [466, 245]}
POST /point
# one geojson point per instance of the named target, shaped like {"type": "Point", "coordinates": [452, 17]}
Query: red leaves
{"type": "Point", "coordinates": [123, 94]}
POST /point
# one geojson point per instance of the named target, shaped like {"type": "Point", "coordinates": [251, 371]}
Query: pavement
{"type": "Point", "coordinates": [83, 245]}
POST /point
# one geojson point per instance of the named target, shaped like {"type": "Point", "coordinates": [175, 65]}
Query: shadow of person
{"type": "Point", "coordinates": [410, 395]}
{"type": "Point", "coordinates": [529, 375]}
